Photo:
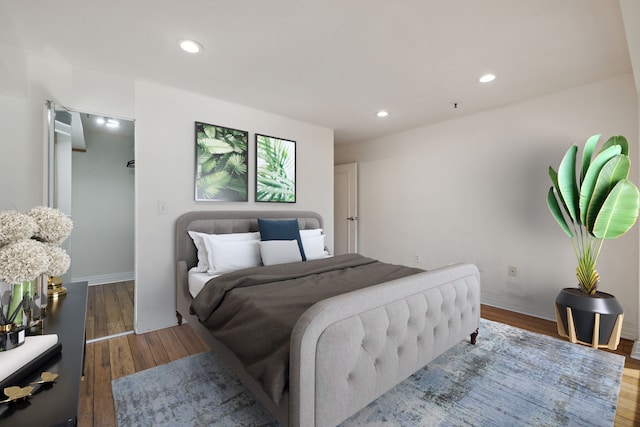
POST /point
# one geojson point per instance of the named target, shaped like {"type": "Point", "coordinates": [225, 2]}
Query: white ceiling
{"type": "Point", "coordinates": [336, 62]}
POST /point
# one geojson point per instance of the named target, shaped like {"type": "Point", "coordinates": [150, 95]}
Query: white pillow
{"type": "Point", "coordinates": [203, 264]}
{"type": "Point", "coordinates": [230, 252]}
{"type": "Point", "coordinates": [203, 256]}
{"type": "Point", "coordinates": [313, 246]}
{"type": "Point", "coordinates": [279, 251]}
{"type": "Point", "coordinates": [312, 232]}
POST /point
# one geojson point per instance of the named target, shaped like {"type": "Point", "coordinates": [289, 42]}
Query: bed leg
{"type": "Point", "coordinates": [179, 316]}
{"type": "Point", "coordinates": [474, 337]}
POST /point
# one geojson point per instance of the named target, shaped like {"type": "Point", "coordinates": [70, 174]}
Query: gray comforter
{"type": "Point", "coordinates": [253, 311]}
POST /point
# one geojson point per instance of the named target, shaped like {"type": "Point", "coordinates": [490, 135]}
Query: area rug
{"type": "Point", "coordinates": [511, 377]}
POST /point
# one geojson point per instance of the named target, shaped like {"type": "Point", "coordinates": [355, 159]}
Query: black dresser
{"type": "Point", "coordinates": [57, 404]}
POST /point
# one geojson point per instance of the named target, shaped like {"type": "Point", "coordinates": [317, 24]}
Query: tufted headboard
{"type": "Point", "coordinates": [224, 222]}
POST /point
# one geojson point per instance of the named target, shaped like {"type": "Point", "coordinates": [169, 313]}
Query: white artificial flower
{"type": "Point", "coordinates": [16, 226]}
{"type": "Point", "coordinates": [23, 260]}
{"type": "Point", "coordinates": [59, 260]}
{"type": "Point", "coordinates": [53, 225]}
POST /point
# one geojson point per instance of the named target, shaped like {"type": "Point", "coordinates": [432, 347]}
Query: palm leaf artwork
{"type": "Point", "coordinates": [602, 204]}
{"type": "Point", "coordinates": [275, 169]}
{"type": "Point", "coordinates": [221, 163]}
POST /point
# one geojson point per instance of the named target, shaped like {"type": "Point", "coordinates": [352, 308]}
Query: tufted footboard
{"type": "Point", "coordinates": [350, 349]}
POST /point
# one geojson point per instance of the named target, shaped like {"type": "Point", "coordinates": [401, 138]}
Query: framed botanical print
{"type": "Point", "coordinates": [221, 163]}
{"type": "Point", "coordinates": [275, 169]}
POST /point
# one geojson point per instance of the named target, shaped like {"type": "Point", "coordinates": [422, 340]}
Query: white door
{"type": "Point", "coordinates": [346, 209]}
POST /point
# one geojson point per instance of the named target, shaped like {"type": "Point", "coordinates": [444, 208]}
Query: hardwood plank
{"type": "Point", "coordinates": [115, 323]}
{"type": "Point", "coordinates": [121, 357]}
{"type": "Point", "coordinates": [191, 342]}
{"type": "Point", "coordinates": [85, 411]}
{"type": "Point", "coordinates": [172, 344]}
{"type": "Point", "coordinates": [157, 349]}
{"type": "Point", "coordinates": [90, 321]}
{"type": "Point", "coordinates": [141, 352]}
{"type": "Point", "coordinates": [103, 408]}
{"type": "Point", "coordinates": [126, 305]}
{"type": "Point", "coordinates": [100, 313]}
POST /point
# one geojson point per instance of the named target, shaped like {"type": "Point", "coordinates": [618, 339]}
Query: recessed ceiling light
{"type": "Point", "coordinates": [190, 46]}
{"type": "Point", "coordinates": [382, 113]}
{"type": "Point", "coordinates": [487, 78]}
{"type": "Point", "coordinates": [112, 123]}
{"type": "Point", "coordinates": [100, 120]}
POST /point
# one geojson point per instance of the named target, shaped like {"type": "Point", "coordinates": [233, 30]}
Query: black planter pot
{"type": "Point", "coordinates": [583, 311]}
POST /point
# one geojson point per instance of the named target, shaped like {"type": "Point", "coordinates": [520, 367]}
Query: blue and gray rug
{"type": "Point", "coordinates": [510, 378]}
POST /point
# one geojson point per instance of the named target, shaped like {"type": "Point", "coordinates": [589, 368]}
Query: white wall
{"type": "Point", "coordinates": [103, 209]}
{"type": "Point", "coordinates": [474, 190]}
{"type": "Point", "coordinates": [165, 162]}
{"type": "Point", "coordinates": [20, 158]}
{"type": "Point", "coordinates": [22, 161]}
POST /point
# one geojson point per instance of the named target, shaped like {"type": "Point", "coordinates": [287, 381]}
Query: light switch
{"type": "Point", "coordinates": [162, 207]}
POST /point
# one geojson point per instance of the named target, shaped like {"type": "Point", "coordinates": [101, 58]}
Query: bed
{"type": "Point", "coordinates": [349, 349]}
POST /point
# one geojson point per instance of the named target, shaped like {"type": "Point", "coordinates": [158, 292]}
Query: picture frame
{"type": "Point", "coordinates": [275, 169]}
{"type": "Point", "coordinates": [222, 161]}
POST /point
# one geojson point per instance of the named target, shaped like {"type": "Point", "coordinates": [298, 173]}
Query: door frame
{"type": "Point", "coordinates": [351, 170]}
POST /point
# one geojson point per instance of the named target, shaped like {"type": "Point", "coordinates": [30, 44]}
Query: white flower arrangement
{"type": "Point", "coordinates": [59, 260]}
{"type": "Point", "coordinates": [53, 225]}
{"type": "Point", "coordinates": [28, 244]}
{"type": "Point", "coordinates": [22, 261]}
{"type": "Point", "coordinates": [16, 226]}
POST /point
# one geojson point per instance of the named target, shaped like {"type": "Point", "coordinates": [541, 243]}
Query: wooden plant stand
{"type": "Point", "coordinates": [614, 340]}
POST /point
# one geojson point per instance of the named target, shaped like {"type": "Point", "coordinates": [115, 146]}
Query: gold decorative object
{"type": "Point", "coordinates": [55, 288]}
{"type": "Point", "coordinates": [46, 377]}
{"type": "Point", "coordinates": [16, 393]}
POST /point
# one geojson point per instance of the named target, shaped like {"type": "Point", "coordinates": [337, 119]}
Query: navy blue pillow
{"type": "Point", "coordinates": [281, 230]}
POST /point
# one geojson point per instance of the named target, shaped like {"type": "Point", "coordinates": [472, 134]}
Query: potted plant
{"type": "Point", "coordinates": [592, 202]}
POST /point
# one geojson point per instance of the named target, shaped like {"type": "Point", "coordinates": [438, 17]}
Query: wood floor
{"type": "Point", "coordinates": [109, 309]}
{"type": "Point", "coordinates": [117, 357]}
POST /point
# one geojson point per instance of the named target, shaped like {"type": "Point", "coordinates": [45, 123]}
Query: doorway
{"type": "Point", "coordinates": [346, 208]}
{"type": "Point", "coordinates": [91, 179]}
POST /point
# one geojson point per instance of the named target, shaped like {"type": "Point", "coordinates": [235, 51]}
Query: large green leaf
{"type": "Point", "coordinates": [587, 154]}
{"type": "Point", "coordinates": [616, 169]}
{"type": "Point", "coordinates": [237, 164]}
{"type": "Point", "coordinates": [215, 146]}
{"type": "Point", "coordinates": [617, 140]}
{"type": "Point", "coordinates": [589, 182]}
{"type": "Point", "coordinates": [619, 211]}
{"type": "Point", "coordinates": [209, 130]}
{"type": "Point", "coordinates": [567, 182]}
{"type": "Point", "coordinates": [210, 186]}
{"type": "Point", "coordinates": [554, 207]}
{"type": "Point", "coordinates": [553, 175]}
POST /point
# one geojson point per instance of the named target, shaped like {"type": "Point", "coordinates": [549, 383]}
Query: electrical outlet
{"type": "Point", "coordinates": [513, 272]}
{"type": "Point", "coordinates": [417, 258]}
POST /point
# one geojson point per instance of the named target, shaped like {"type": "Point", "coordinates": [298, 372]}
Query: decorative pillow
{"type": "Point", "coordinates": [313, 246]}
{"type": "Point", "coordinates": [203, 256]}
{"type": "Point", "coordinates": [279, 252]}
{"type": "Point", "coordinates": [281, 230]}
{"type": "Point", "coordinates": [225, 256]}
{"type": "Point", "coordinates": [312, 232]}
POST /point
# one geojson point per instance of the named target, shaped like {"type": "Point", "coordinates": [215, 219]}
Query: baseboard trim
{"type": "Point", "coordinates": [153, 323]}
{"type": "Point", "coordinates": [635, 351]}
{"type": "Point", "coordinates": [106, 278]}
{"type": "Point", "coordinates": [629, 330]}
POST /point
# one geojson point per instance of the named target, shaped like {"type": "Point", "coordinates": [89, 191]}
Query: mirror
{"type": "Point", "coordinates": [91, 179]}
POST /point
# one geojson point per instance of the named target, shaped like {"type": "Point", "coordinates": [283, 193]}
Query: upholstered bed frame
{"type": "Point", "coordinates": [350, 349]}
